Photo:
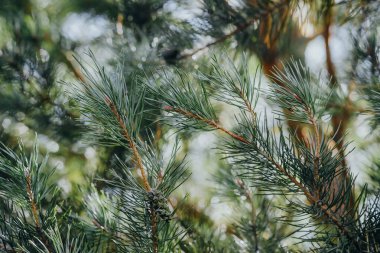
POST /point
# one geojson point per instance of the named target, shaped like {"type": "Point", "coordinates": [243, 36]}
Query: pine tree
{"type": "Point", "coordinates": [285, 172]}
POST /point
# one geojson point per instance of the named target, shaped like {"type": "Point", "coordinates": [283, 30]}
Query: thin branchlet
{"type": "Point", "coordinates": [138, 161]}
{"type": "Point", "coordinates": [34, 209]}
{"type": "Point", "coordinates": [131, 143]}
{"type": "Point", "coordinates": [154, 230]}
{"type": "Point", "coordinates": [234, 84]}
{"type": "Point", "coordinates": [31, 200]}
{"type": "Point", "coordinates": [248, 104]}
{"type": "Point", "coordinates": [211, 123]}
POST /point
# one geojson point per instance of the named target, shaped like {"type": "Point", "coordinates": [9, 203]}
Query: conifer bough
{"type": "Point", "coordinates": [133, 212]}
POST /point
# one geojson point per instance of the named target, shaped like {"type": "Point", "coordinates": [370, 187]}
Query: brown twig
{"type": "Point", "coordinates": [154, 230]}
{"type": "Point", "coordinates": [32, 202]}
{"type": "Point", "coordinates": [34, 210]}
{"type": "Point", "coordinates": [68, 56]}
{"type": "Point", "coordinates": [247, 103]}
{"type": "Point", "coordinates": [139, 164]}
{"type": "Point", "coordinates": [207, 121]}
{"type": "Point", "coordinates": [132, 145]}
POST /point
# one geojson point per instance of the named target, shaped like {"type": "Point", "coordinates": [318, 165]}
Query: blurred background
{"type": "Point", "coordinates": [41, 38]}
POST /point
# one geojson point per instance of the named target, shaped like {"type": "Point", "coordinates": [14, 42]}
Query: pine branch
{"type": "Point", "coordinates": [243, 140]}
{"type": "Point", "coordinates": [117, 120]}
{"type": "Point", "coordinates": [234, 85]}
{"type": "Point", "coordinates": [293, 93]}
{"type": "Point", "coordinates": [304, 97]}
{"type": "Point", "coordinates": [142, 170]}
{"type": "Point", "coordinates": [25, 185]}
{"type": "Point", "coordinates": [131, 143]}
{"type": "Point", "coordinates": [31, 200]}
{"type": "Point", "coordinates": [141, 214]}
{"type": "Point", "coordinates": [310, 197]}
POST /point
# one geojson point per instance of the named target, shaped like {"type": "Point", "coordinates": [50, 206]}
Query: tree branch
{"type": "Point", "coordinates": [131, 143]}
{"type": "Point", "coordinates": [31, 201]}
{"type": "Point", "coordinates": [247, 103]}
{"type": "Point", "coordinates": [154, 230]}
{"type": "Point", "coordinates": [309, 196]}
{"type": "Point", "coordinates": [35, 210]}
{"type": "Point", "coordinates": [138, 161]}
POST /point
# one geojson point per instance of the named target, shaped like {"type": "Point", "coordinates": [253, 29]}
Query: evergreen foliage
{"type": "Point", "coordinates": [284, 134]}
